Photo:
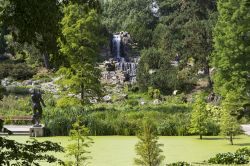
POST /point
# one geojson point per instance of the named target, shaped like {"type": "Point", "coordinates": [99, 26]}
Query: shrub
{"type": "Point", "coordinates": [243, 151]}
{"type": "Point", "coordinates": [154, 93]}
{"type": "Point", "coordinates": [241, 156]}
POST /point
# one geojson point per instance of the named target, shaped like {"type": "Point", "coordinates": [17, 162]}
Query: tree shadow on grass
{"type": "Point", "coordinates": [242, 144]}
{"type": "Point", "coordinates": [215, 138]}
{"type": "Point", "coordinates": [201, 163]}
{"type": "Point", "coordinates": [212, 138]}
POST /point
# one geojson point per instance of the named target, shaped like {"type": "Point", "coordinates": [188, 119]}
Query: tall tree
{"type": "Point", "coordinates": [185, 27]}
{"type": "Point", "coordinates": [3, 27]}
{"type": "Point", "coordinates": [198, 32]}
{"type": "Point", "coordinates": [155, 71]}
{"type": "Point", "coordinates": [35, 22]}
{"type": "Point", "coordinates": [231, 52]}
{"type": "Point", "coordinates": [80, 45]}
{"type": "Point", "coordinates": [148, 149]}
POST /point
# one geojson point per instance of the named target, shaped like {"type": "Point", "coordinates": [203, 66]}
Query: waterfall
{"type": "Point", "coordinates": [117, 45]}
{"type": "Point", "coordinates": [124, 67]}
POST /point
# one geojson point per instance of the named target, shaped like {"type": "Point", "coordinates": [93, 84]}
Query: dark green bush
{"type": "Point", "coordinates": [243, 151]}
{"type": "Point", "coordinates": [241, 156]}
{"type": "Point", "coordinates": [18, 71]}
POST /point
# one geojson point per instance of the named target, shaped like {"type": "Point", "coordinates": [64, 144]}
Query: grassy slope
{"type": "Point", "coordinates": [119, 150]}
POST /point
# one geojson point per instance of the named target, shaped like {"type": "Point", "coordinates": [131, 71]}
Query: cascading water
{"type": "Point", "coordinates": [117, 46]}
{"type": "Point", "coordinates": [121, 67]}
{"type": "Point", "coordinates": [128, 68]}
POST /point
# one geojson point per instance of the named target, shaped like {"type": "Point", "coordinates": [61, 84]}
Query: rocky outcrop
{"type": "Point", "coordinates": [119, 72]}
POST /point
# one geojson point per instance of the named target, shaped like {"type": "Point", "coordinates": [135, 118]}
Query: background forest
{"type": "Point", "coordinates": [65, 41]}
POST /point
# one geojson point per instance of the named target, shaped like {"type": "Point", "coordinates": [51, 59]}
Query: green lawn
{"type": "Point", "coordinates": [119, 150]}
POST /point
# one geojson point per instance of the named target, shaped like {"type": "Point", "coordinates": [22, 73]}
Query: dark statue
{"type": "Point", "coordinates": [37, 100]}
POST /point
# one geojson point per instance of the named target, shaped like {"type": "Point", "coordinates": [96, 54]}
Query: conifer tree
{"type": "Point", "coordinates": [80, 46]}
{"type": "Point", "coordinates": [231, 56]}
{"type": "Point", "coordinates": [228, 125]}
{"type": "Point", "coordinates": [148, 148]}
{"type": "Point", "coordinates": [78, 149]}
{"type": "Point", "coordinates": [199, 117]}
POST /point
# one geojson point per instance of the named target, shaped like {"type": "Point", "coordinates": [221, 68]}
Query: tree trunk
{"type": "Point", "coordinates": [46, 60]}
{"type": "Point", "coordinates": [231, 139]}
{"type": "Point", "coordinates": [200, 136]}
{"type": "Point", "coordinates": [207, 72]}
{"type": "Point", "coordinates": [82, 92]}
{"type": "Point", "coordinates": [78, 150]}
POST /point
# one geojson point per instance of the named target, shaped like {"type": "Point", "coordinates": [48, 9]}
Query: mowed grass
{"type": "Point", "coordinates": [119, 150]}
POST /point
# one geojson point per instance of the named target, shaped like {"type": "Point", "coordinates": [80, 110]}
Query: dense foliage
{"type": "Point", "coordinates": [155, 71]}
{"type": "Point", "coordinates": [106, 120]}
{"type": "Point", "coordinates": [183, 28]}
{"type": "Point", "coordinates": [80, 46]}
{"type": "Point", "coordinates": [29, 153]}
{"type": "Point", "coordinates": [241, 156]}
{"type": "Point", "coordinates": [135, 17]}
{"type": "Point", "coordinates": [174, 39]}
{"type": "Point", "coordinates": [30, 23]}
{"type": "Point", "coordinates": [231, 55]}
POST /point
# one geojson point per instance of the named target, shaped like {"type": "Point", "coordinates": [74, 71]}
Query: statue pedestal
{"type": "Point", "coordinates": [37, 131]}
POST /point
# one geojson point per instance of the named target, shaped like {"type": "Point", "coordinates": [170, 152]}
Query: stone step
{"type": "Point", "coordinates": [18, 129]}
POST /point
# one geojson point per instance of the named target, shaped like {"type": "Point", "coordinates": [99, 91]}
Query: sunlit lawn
{"type": "Point", "coordinates": [119, 150]}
